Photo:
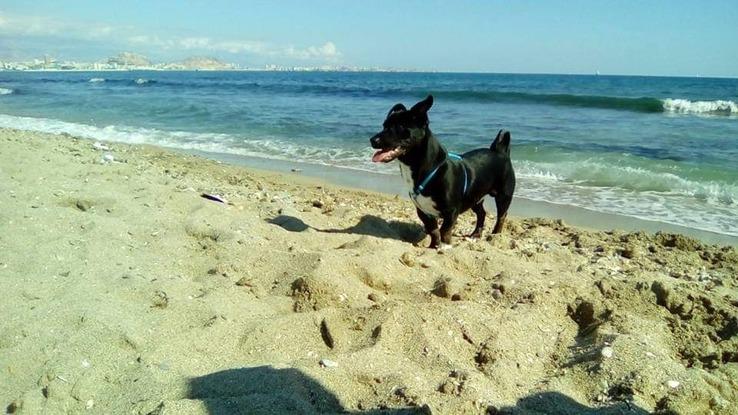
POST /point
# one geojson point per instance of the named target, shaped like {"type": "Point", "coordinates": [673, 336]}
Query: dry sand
{"type": "Point", "coordinates": [125, 292]}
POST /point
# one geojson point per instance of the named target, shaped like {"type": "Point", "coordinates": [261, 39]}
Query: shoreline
{"type": "Point", "coordinates": [392, 184]}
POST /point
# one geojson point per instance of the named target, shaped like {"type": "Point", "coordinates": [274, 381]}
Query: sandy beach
{"type": "Point", "coordinates": [126, 292]}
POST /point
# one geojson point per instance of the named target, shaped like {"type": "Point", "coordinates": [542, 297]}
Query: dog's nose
{"type": "Point", "coordinates": [375, 141]}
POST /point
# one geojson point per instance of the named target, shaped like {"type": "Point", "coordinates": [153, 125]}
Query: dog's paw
{"type": "Point", "coordinates": [444, 247]}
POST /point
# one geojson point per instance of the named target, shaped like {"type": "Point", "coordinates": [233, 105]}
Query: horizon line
{"type": "Point", "coordinates": [360, 69]}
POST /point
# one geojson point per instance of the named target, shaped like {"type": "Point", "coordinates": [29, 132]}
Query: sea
{"type": "Point", "coordinates": [663, 149]}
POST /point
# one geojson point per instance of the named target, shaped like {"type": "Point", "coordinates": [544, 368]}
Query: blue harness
{"type": "Point", "coordinates": [417, 191]}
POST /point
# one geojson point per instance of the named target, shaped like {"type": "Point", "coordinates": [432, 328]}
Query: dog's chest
{"type": "Point", "coordinates": [423, 203]}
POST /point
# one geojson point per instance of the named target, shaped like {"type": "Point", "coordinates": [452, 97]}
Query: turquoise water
{"type": "Point", "coordinates": [662, 149]}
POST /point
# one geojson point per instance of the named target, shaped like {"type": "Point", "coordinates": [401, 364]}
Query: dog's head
{"type": "Point", "coordinates": [402, 130]}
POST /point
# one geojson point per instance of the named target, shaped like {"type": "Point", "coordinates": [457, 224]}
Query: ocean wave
{"type": "Point", "coordinates": [96, 80]}
{"type": "Point", "coordinates": [656, 207]}
{"type": "Point", "coordinates": [632, 191]}
{"type": "Point", "coordinates": [685, 106]}
{"type": "Point", "coordinates": [597, 174]}
{"type": "Point", "coordinates": [641, 104]}
{"type": "Point", "coordinates": [143, 81]}
{"type": "Point", "coordinates": [6, 91]}
{"type": "Point", "coordinates": [637, 104]}
{"type": "Point", "coordinates": [633, 104]}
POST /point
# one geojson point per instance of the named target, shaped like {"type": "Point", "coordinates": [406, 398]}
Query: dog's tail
{"type": "Point", "coordinates": [502, 143]}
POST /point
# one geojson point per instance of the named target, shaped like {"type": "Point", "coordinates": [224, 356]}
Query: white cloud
{"type": "Point", "coordinates": [241, 46]}
{"type": "Point", "coordinates": [101, 31]}
{"type": "Point", "coordinates": [28, 26]}
{"type": "Point", "coordinates": [141, 39]}
{"type": "Point", "coordinates": [44, 26]}
{"type": "Point", "coordinates": [195, 43]}
{"type": "Point", "coordinates": [230, 46]}
{"type": "Point", "coordinates": [327, 51]}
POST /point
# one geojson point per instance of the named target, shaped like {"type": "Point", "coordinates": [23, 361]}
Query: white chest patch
{"type": "Point", "coordinates": [423, 203]}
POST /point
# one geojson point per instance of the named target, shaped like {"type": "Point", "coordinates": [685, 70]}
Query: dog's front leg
{"type": "Point", "coordinates": [448, 225]}
{"type": "Point", "coordinates": [431, 228]}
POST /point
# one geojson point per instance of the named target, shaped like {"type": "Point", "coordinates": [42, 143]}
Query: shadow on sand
{"type": "Point", "coordinates": [266, 390]}
{"type": "Point", "coordinates": [368, 225]}
{"type": "Point", "coordinates": [555, 403]}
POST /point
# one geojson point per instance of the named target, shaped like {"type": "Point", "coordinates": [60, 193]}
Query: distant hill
{"type": "Point", "coordinates": [204, 62]}
{"type": "Point", "coordinates": [129, 59]}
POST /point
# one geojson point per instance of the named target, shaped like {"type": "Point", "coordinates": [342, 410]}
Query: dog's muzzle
{"type": "Point", "coordinates": [375, 141]}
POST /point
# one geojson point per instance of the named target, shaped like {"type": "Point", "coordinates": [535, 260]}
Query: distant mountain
{"type": "Point", "coordinates": [204, 62]}
{"type": "Point", "coordinates": [129, 59]}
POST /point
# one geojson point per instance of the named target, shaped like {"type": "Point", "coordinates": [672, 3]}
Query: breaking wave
{"type": "Point", "coordinates": [685, 106]}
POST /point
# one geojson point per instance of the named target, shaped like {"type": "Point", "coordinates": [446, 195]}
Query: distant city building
{"type": "Point", "coordinates": [129, 61]}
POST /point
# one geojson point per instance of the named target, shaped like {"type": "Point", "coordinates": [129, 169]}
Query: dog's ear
{"type": "Point", "coordinates": [396, 108]}
{"type": "Point", "coordinates": [502, 142]}
{"type": "Point", "coordinates": [423, 106]}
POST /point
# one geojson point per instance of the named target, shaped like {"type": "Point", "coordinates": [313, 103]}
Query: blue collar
{"type": "Point", "coordinates": [419, 189]}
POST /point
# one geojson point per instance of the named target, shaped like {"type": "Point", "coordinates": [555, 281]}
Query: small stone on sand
{"type": "Point", "coordinates": [328, 363]}
{"type": "Point", "coordinates": [442, 288]}
{"type": "Point", "coordinates": [160, 299]}
{"type": "Point", "coordinates": [83, 205]}
{"type": "Point", "coordinates": [407, 259]}
{"type": "Point", "coordinates": [244, 282]}
{"type": "Point", "coordinates": [325, 333]}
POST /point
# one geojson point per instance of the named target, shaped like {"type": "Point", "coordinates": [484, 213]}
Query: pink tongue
{"type": "Point", "coordinates": [380, 155]}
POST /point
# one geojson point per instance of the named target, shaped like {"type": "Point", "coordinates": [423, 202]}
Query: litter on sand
{"type": "Point", "coordinates": [214, 198]}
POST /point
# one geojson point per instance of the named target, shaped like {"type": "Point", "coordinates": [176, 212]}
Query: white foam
{"type": "Point", "coordinates": [141, 81]}
{"type": "Point", "coordinates": [632, 191]}
{"type": "Point", "coordinates": [685, 106]}
{"type": "Point", "coordinates": [627, 178]}
{"type": "Point", "coordinates": [6, 91]}
{"type": "Point", "coordinates": [96, 80]}
{"type": "Point", "coordinates": [269, 148]}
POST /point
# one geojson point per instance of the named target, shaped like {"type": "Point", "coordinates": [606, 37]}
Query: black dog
{"type": "Point", "coordinates": [443, 184]}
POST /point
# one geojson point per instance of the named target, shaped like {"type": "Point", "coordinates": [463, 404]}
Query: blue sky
{"type": "Point", "coordinates": [618, 37]}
